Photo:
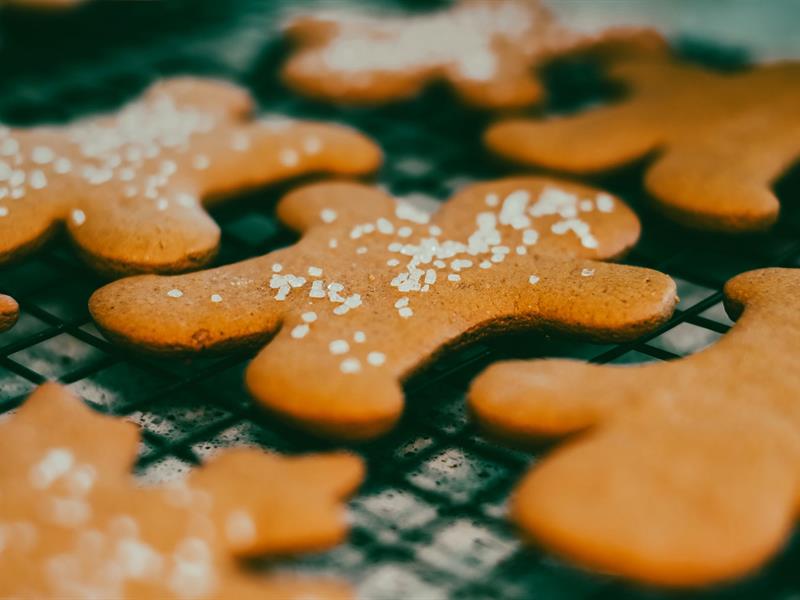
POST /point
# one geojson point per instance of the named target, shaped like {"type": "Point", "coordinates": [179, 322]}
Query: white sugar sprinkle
{"type": "Point", "coordinates": [605, 203]}
{"type": "Point", "coordinates": [533, 279]}
{"type": "Point", "coordinates": [62, 166]}
{"type": "Point", "coordinates": [216, 298]}
{"type": "Point", "coordinates": [289, 157]}
{"type": "Point", "coordinates": [312, 144]}
{"type": "Point", "coordinates": [453, 277]}
{"type": "Point", "coordinates": [350, 365]}
{"type": "Point", "coordinates": [405, 312]}
{"type": "Point", "coordinates": [3, 211]}
{"type": "Point", "coordinates": [338, 347]}
{"type": "Point", "coordinates": [309, 317]}
{"type": "Point", "coordinates": [42, 155]}
{"type": "Point", "coordinates": [175, 293]}
{"type": "Point", "coordinates": [314, 271]}
{"type": "Point", "coordinates": [78, 217]}
{"type": "Point", "coordinates": [328, 215]}
{"type": "Point", "coordinates": [300, 331]}
{"type": "Point", "coordinates": [240, 142]}
{"type": "Point", "coordinates": [277, 268]}
{"type": "Point", "coordinates": [376, 359]}
{"type": "Point", "coordinates": [492, 200]}
{"type": "Point", "coordinates": [359, 337]}
{"type": "Point", "coordinates": [587, 272]}
{"type": "Point", "coordinates": [201, 162]}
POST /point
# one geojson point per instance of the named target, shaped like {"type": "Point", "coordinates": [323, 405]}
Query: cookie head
{"type": "Point", "coordinates": [132, 187]}
{"type": "Point", "coordinates": [487, 50]}
{"type": "Point", "coordinates": [375, 288]}
{"type": "Point", "coordinates": [689, 464]}
{"type": "Point", "coordinates": [720, 140]}
{"type": "Point", "coordinates": [75, 523]}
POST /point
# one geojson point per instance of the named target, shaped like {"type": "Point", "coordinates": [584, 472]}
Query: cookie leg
{"type": "Point", "coordinates": [715, 186]}
{"type": "Point", "coordinates": [324, 391]}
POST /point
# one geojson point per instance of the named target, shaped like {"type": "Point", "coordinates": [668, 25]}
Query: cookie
{"type": "Point", "coordinates": [74, 523]}
{"type": "Point", "coordinates": [375, 288]}
{"type": "Point", "coordinates": [9, 312]}
{"type": "Point", "coordinates": [677, 473]}
{"type": "Point", "coordinates": [487, 50]}
{"type": "Point", "coordinates": [721, 139]}
{"type": "Point", "coordinates": [132, 187]}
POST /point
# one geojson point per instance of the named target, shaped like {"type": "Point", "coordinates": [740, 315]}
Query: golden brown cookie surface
{"type": "Point", "coordinates": [9, 312]}
{"type": "Point", "coordinates": [722, 139]}
{"type": "Point", "coordinates": [74, 523]}
{"type": "Point", "coordinates": [682, 473]}
{"type": "Point", "coordinates": [375, 288]}
{"type": "Point", "coordinates": [487, 50]}
{"type": "Point", "coordinates": [133, 186]}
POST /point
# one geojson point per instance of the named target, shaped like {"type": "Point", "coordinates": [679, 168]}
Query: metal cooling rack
{"type": "Point", "coordinates": [428, 523]}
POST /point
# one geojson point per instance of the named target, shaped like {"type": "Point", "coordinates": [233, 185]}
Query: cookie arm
{"type": "Point", "coordinates": [128, 235]}
{"type": "Point", "coordinates": [594, 141]}
{"type": "Point", "coordinates": [217, 309]}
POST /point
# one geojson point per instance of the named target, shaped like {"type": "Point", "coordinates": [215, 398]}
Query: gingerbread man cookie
{"type": "Point", "coordinates": [722, 138]}
{"type": "Point", "coordinates": [9, 312]}
{"type": "Point", "coordinates": [680, 473]}
{"type": "Point", "coordinates": [74, 523]}
{"type": "Point", "coordinates": [133, 187]}
{"type": "Point", "coordinates": [487, 50]}
{"type": "Point", "coordinates": [375, 288]}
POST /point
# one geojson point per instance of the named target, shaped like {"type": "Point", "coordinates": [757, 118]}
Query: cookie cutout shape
{"type": "Point", "coordinates": [374, 289]}
{"type": "Point", "coordinates": [75, 524]}
{"type": "Point", "coordinates": [682, 473]}
{"type": "Point", "coordinates": [133, 186]}
{"type": "Point", "coordinates": [722, 138]}
{"type": "Point", "coordinates": [9, 312]}
{"type": "Point", "coordinates": [487, 50]}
